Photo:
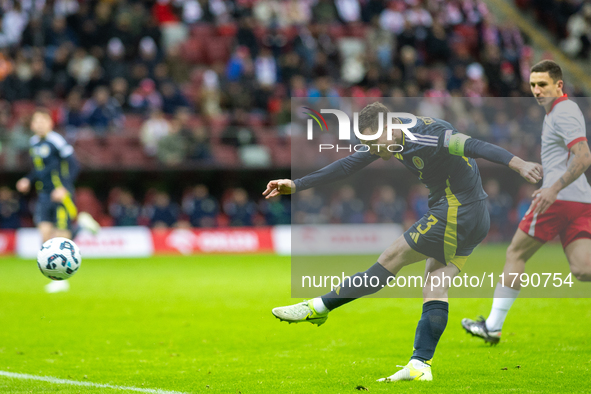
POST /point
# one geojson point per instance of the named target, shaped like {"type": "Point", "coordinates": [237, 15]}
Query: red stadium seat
{"type": "Point", "coordinates": [281, 155]}
{"type": "Point", "coordinates": [469, 35]}
{"type": "Point", "coordinates": [192, 50]}
{"type": "Point", "coordinates": [191, 91]}
{"type": "Point", "coordinates": [117, 148]}
{"type": "Point", "coordinates": [106, 221]}
{"type": "Point", "coordinates": [337, 31]}
{"type": "Point", "coordinates": [137, 159]}
{"type": "Point", "coordinates": [217, 49]}
{"type": "Point", "coordinates": [132, 124]}
{"type": "Point", "coordinates": [86, 201]}
{"type": "Point", "coordinates": [222, 220]}
{"type": "Point", "coordinates": [227, 30]}
{"type": "Point", "coordinates": [118, 141]}
{"type": "Point", "coordinates": [261, 134]}
{"type": "Point", "coordinates": [225, 156]}
{"type": "Point", "coordinates": [195, 121]}
{"type": "Point", "coordinates": [522, 4]}
{"type": "Point", "coordinates": [23, 108]}
{"type": "Point", "coordinates": [109, 158]}
{"type": "Point", "coordinates": [356, 30]}
{"type": "Point", "coordinates": [256, 120]}
{"type": "Point", "coordinates": [203, 31]}
{"type": "Point", "coordinates": [217, 124]}
{"type": "Point", "coordinates": [290, 32]}
{"type": "Point", "coordinates": [88, 151]}
{"type": "Point", "coordinates": [260, 31]}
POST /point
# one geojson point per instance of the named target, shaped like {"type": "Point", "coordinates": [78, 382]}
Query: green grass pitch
{"type": "Point", "coordinates": [203, 324]}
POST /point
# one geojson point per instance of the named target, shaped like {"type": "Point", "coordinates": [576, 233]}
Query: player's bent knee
{"type": "Point", "coordinates": [394, 255]}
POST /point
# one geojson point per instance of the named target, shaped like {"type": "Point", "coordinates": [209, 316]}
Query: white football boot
{"type": "Point", "coordinates": [57, 286]}
{"type": "Point", "coordinates": [298, 313]}
{"type": "Point", "coordinates": [414, 370]}
{"type": "Point", "coordinates": [87, 222]}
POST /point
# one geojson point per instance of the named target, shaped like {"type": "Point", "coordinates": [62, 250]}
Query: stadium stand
{"type": "Point", "coordinates": [147, 85]}
{"type": "Point", "coordinates": [103, 72]}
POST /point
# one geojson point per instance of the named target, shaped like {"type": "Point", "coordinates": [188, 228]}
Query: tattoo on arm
{"type": "Point", "coordinates": [578, 165]}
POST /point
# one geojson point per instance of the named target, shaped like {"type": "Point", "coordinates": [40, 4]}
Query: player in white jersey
{"type": "Point", "coordinates": [561, 207]}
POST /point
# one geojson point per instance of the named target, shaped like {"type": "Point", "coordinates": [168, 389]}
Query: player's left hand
{"type": "Point", "coordinates": [59, 194]}
{"type": "Point", "coordinates": [543, 198]}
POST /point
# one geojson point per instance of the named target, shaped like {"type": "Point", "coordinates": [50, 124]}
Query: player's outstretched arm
{"type": "Point", "coordinates": [581, 161]}
{"type": "Point", "coordinates": [462, 145]}
{"type": "Point", "coordinates": [333, 172]}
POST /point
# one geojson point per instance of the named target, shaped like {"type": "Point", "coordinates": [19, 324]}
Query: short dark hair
{"type": "Point", "coordinates": [550, 67]}
{"type": "Point", "coordinates": [369, 116]}
{"type": "Point", "coordinates": [43, 111]}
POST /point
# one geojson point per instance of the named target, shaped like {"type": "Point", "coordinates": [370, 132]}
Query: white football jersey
{"type": "Point", "coordinates": [563, 127]}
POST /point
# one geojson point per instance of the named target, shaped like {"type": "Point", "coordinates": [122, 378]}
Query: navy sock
{"type": "Point", "coordinates": [359, 285]}
{"type": "Point", "coordinates": [429, 330]}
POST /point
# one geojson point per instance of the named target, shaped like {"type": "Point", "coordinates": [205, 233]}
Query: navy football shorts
{"type": "Point", "coordinates": [450, 231]}
{"type": "Point", "coordinates": [61, 215]}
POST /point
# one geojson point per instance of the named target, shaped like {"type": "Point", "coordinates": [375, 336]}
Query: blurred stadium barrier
{"type": "Point", "coordinates": [140, 241]}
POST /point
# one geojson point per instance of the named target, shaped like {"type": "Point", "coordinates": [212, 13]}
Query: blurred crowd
{"type": "Point", "coordinates": [211, 80]}
{"type": "Point", "coordinates": [197, 208]}
{"type": "Point", "coordinates": [577, 42]}
{"type": "Point", "coordinates": [384, 205]}
{"type": "Point", "coordinates": [134, 84]}
{"type": "Point", "coordinates": [513, 123]}
{"type": "Point", "coordinates": [568, 20]}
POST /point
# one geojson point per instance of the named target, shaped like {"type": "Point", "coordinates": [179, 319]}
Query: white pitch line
{"type": "Point", "coordinates": [87, 384]}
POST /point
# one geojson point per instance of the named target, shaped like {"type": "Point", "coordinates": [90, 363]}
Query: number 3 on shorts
{"type": "Point", "coordinates": [432, 221]}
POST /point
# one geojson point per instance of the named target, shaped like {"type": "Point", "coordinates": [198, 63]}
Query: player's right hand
{"type": "Point", "coordinates": [532, 172]}
{"type": "Point", "coordinates": [59, 194]}
{"type": "Point", "coordinates": [279, 186]}
{"type": "Point", "coordinates": [23, 185]}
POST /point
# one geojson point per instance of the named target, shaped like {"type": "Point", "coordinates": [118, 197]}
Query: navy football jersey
{"type": "Point", "coordinates": [51, 168]}
{"type": "Point", "coordinates": [428, 157]}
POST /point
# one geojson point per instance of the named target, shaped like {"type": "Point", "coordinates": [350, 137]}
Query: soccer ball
{"type": "Point", "coordinates": [59, 258]}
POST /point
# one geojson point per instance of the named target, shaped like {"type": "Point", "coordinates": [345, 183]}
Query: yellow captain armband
{"type": "Point", "coordinates": [455, 142]}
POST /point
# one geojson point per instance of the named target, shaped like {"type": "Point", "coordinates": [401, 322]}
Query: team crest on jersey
{"type": "Point", "coordinates": [418, 162]}
{"type": "Point", "coordinates": [43, 150]}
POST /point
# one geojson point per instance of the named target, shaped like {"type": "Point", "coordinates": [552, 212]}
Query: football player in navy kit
{"type": "Point", "coordinates": [457, 221]}
{"type": "Point", "coordinates": [55, 169]}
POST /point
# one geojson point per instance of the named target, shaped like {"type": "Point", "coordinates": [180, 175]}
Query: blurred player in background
{"type": "Point", "coordinates": [55, 169]}
{"type": "Point", "coordinates": [457, 221]}
{"type": "Point", "coordinates": [561, 207]}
